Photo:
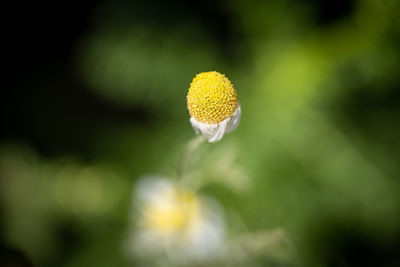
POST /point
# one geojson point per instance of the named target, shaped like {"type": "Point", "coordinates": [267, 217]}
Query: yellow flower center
{"type": "Point", "coordinates": [177, 212]}
{"type": "Point", "coordinates": [211, 98]}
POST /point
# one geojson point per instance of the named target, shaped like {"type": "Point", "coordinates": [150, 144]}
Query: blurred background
{"type": "Point", "coordinates": [94, 96]}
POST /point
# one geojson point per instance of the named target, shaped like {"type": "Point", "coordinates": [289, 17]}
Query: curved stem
{"type": "Point", "coordinates": [187, 153]}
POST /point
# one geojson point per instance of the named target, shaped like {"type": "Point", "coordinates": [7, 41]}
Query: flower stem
{"type": "Point", "coordinates": [187, 154]}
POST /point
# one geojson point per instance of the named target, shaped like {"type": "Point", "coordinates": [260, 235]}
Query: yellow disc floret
{"type": "Point", "coordinates": [177, 211]}
{"type": "Point", "coordinates": [211, 98]}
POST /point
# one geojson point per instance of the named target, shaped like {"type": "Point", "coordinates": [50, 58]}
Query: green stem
{"type": "Point", "coordinates": [187, 153]}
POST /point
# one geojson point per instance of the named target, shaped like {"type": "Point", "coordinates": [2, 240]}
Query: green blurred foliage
{"type": "Point", "coordinates": [316, 153]}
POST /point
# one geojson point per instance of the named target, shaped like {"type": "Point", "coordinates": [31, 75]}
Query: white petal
{"type": "Point", "coordinates": [208, 130]}
{"type": "Point", "coordinates": [233, 122]}
{"type": "Point", "coordinates": [219, 133]}
{"type": "Point", "coordinates": [195, 126]}
{"type": "Point", "coordinates": [212, 132]}
{"type": "Point", "coordinates": [148, 188]}
{"type": "Point", "coordinates": [215, 132]}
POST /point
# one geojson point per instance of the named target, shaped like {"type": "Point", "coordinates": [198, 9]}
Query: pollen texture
{"type": "Point", "coordinates": [211, 98]}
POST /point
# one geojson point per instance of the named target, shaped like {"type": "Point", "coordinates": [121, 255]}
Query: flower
{"type": "Point", "coordinates": [175, 222]}
{"type": "Point", "coordinates": [213, 105]}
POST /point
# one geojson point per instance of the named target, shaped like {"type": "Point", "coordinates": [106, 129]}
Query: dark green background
{"type": "Point", "coordinates": [94, 97]}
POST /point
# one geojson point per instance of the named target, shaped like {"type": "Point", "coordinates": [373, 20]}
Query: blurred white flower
{"type": "Point", "coordinates": [175, 222]}
{"type": "Point", "coordinates": [213, 105]}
